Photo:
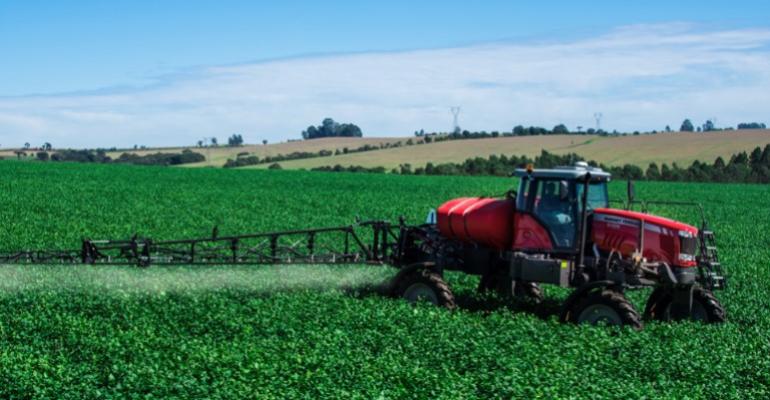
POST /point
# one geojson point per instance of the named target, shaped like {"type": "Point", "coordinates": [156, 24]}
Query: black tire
{"type": "Point", "coordinates": [705, 307]}
{"type": "Point", "coordinates": [605, 306]}
{"type": "Point", "coordinates": [427, 286]}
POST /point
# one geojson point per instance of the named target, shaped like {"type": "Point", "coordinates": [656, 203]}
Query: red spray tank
{"type": "Point", "coordinates": [482, 220]}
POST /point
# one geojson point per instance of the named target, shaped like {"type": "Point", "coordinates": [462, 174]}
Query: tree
{"type": "Point", "coordinates": [26, 146]}
{"type": "Point", "coordinates": [652, 173]}
{"type": "Point", "coordinates": [765, 159]}
{"type": "Point", "coordinates": [214, 141]}
{"type": "Point", "coordinates": [518, 130]}
{"type": "Point", "coordinates": [755, 159]}
{"type": "Point", "coordinates": [264, 142]}
{"type": "Point", "coordinates": [47, 146]}
{"type": "Point", "coordinates": [708, 126]}
{"type": "Point", "coordinates": [719, 163]}
{"type": "Point", "coordinates": [42, 156]}
{"type": "Point", "coordinates": [560, 129]}
{"type": "Point", "coordinates": [330, 128]}
{"type": "Point", "coordinates": [687, 126]}
{"type": "Point", "coordinates": [235, 140]}
{"type": "Point", "coordinates": [668, 128]}
{"type": "Point", "coordinates": [632, 172]}
{"type": "Point", "coordinates": [200, 144]}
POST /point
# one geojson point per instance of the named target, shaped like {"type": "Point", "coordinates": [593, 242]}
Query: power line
{"type": "Point", "coordinates": [455, 110]}
{"type": "Point", "coordinates": [598, 117]}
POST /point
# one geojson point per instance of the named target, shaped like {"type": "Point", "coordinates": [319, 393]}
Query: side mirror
{"type": "Point", "coordinates": [563, 191]}
{"type": "Point", "coordinates": [630, 191]}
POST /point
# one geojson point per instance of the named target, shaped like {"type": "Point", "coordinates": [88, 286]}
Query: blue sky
{"type": "Point", "coordinates": [168, 72]}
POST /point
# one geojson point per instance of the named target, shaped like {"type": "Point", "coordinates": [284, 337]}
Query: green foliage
{"type": "Point", "coordinates": [352, 168]}
{"type": "Point", "coordinates": [185, 157]}
{"type": "Point", "coordinates": [752, 125]}
{"type": "Point", "coordinates": [318, 331]}
{"type": "Point", "coordinates": [330, 128]}
{"type": "Point", "coordinates": [85, 156]}
{"type": "Point", "coordinates": [100, 156]}
{"type": "Point", "coordinates": [235, 140]}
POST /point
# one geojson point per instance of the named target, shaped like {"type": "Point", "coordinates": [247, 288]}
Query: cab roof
{"type": "Point", "coordinates": [578, 171]}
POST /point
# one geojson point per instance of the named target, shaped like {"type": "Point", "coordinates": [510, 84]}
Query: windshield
{"type": "Point", "coordinates": [597, 195]}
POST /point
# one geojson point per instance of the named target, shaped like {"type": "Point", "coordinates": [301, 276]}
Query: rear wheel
{"type": "Point", "coordinates": [605, 307]}
{"type": "Point", "coordinates": [705, 307]}
{"type": "Point", "coordinates": [425, 285]}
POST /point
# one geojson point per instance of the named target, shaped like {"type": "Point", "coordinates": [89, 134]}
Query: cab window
{"type": "Point", "coordinates": [555, 208]}
{"type": "Point", "coordinates": [521, 197]}
{"type": "Point", "coordinates": [597, 195]}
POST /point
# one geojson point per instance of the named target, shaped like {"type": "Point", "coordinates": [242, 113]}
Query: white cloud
{"type": "Point", "coordinates": [640, 77]}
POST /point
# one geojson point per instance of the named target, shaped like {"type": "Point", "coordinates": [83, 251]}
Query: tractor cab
{"type": "Point", "coordinates": [554, 198]}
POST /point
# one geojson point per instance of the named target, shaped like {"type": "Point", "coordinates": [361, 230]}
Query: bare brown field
{"type": "Point", "coordinates": [682, 148]}
{"type": "Point", "coordinates": [217, 156]}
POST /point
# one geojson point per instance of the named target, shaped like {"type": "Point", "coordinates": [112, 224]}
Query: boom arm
{"type": "Point", "coordinates": [336, 245]}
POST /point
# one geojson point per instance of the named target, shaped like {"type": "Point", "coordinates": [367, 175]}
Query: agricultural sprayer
{"type": "Point", "coordinates": [557, 228]}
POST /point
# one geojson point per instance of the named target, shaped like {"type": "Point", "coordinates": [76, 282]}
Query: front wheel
{"type": "Point", "coordinates": [705, 307]}
{"type": "Point", "coordinates": [605, 307]}
{"type": "Point", "coordinates": [425, 285]}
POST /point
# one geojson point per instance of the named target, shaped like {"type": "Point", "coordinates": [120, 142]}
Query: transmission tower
{"type": "Point", "coordinates": [455, 114]}
{"type": "Point", "coordinates": [598, 117]}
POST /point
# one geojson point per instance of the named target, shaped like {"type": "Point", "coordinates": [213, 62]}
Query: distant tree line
{"type": "Point", "coordinates": [561, 129]}
{"type": "Point", "coordinates": [518, 130]}
{"type": "Point", "coordinates": [185, 157]}
{"type": "Point", "coordinates": [752, 125]}
{"type": "Point", "coordinates": [245, 159]}
{"type": "Point", "coordinates": [352, 168]}
{"type": "Point", "coordinates": [743, 167]}
{"type": "Point", "coordinates": [100, 156]}
{"type": "Point", "coordinates": [330, 128]}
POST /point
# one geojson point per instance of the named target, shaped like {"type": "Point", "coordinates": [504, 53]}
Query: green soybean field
{"type": "Point", "coordinates": [318, 331]}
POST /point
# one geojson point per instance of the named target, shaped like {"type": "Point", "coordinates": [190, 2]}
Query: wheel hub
{"type": "Point", "coordinates": [420, 292]}
{"type": "Point", "coordinates": [600, 314]}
